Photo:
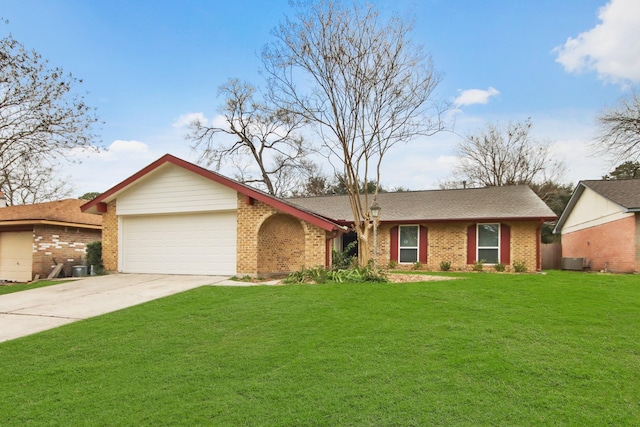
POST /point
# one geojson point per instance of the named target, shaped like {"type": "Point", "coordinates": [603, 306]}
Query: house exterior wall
{"type": "Point", "coordinates": [606, 246]}
{"type": "Point", "coordinates": [57, 244]}
{"type": "Point", "coordinates": [281, 245]}
{"type": "Point", "coordinates": [250, 220]}
{"type": "Point", "coordinates": [447, 241]}
{"type": "Point", "coordinates": [292, 244]}
{"type": "Point", "coordinates": [172, 189]}
{"type": "Point", "coordinates": [637, 243]}
{"type": "Point", "coordinates": [592, 210]}
{"type": "Point", "coordinates": [110, 237]}
{"type": "Point", "coordinates": [525, 243]}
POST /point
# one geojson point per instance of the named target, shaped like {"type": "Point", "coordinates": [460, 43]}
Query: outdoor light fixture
{"type": "Point", "coordinates": [375, 210]}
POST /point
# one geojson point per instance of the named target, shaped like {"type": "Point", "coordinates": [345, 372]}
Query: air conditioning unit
{"type": "Point", "coordinates": [576, 264]}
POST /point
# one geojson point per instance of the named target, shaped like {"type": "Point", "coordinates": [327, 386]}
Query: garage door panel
{"type": "Point", "coordinates": [203, 243]}
{"type": "Point", "coordinates": [16, 255]}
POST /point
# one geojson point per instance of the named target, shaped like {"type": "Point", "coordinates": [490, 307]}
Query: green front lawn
{"type": "Point", "coordinates": [488, 349]}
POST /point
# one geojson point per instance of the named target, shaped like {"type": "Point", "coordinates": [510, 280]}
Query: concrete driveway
{"type": "Point", "coordinates": [27, 312]}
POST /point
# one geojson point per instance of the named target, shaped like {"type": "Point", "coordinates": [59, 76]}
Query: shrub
{"type": "Point", "coordinates": [308, 275]}
{"type": "Point", "coordinates": [478, 265]}
{"type": "Point", "coordinates": [392, 264]}
{"type": "Point", "coordinates": [520, 266]}
{"type": "Point", "coordinates": [344, 259]}
{"type": "Point", "coordinates": [445, 265]}
{"type": "Point", "coordinates": [321, 275]}
{"type": "Point", "coordinates": [500, 267]}
{"type": "Point", "coordinates": [417, 265]}
{"type": "Point", "coordinates": [94, 257]}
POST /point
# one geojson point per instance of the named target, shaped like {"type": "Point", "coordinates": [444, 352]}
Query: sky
{"type": "Point", "coordinates": [147, 66]}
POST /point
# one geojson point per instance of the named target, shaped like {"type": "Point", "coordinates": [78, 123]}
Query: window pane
{"type": "Point", "coordinates": [408, 255]}
{"type": "Point", "coordinates": [488, 235]}
{"type": "Point", "coordinates": [409, 236]}
{"type": "Point", "coordinates": [490, 256]}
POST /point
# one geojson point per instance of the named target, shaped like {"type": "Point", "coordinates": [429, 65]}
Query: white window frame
{"type": "Point", "coordinates": [400, 247]}
{"type": "Point", "coordinates": [478, 247]}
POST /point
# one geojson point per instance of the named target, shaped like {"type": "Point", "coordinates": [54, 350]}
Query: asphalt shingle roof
{"type": "Point", "coordinates": [67, 210]}
{"type": "Point", "coordinates": [513, 202]}
{"type": "Point", "coordinates": [625, 192]}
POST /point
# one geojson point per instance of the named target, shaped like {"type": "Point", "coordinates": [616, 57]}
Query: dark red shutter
{"type": "Point", "coordinates": [505, 244]}
{"type": "Point", "coordinates": [471, 244]}
{"type": "Point", "coordinates": [393, 241]}
{"type": "Point", "coordinates": [423, 245]}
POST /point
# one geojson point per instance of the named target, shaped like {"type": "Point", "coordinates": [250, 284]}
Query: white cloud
{"type": "Point", "coordinates": [611, 48]}
{"type": "Point", "coordinates": [120, 146]}
{"type": "Point", "coordinates": [475, 96]}
{"type": "Point", "coordinates": [186, 119]}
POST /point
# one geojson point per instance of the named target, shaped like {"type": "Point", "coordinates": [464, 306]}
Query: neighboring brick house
{"type": "Point", "coordinates": [175, 217]}
{"type": "Point", "coordinates": [601, 224]}
{"type": "Point", "coordinates": [34, 238]}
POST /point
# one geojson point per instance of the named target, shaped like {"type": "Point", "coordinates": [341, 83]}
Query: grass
{"type": "Point", "coordinates": [489, 349]}
{"type": "Point", "coordinates": [18, 287]}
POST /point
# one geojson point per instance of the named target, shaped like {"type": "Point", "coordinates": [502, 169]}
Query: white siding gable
{"type": "Point", "coordinates": [592, 209]}
{"type": "Point", "coordinates": [172, 189]}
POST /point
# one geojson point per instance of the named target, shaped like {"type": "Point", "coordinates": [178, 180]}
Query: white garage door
{"type": "Point", "coordinates": [16, 255]}
{"type": "Point", "coordinates": [179, 244]}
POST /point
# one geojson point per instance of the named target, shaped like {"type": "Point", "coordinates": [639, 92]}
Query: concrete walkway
{"type": "Point", "coordinates": [28, 312]}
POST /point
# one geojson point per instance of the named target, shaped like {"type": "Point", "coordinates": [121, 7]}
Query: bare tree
{"type": "Point", "coordinates": [506, 155]}
{"type": "Point", "coordinates": [619, 130]}
{"type": "Point", "coordinates": [33, 181]}
{"type": "Point", "coordinates": [40, 121]}
{"type": "Point", "coordinates": [360, 82]}
{"type": "Point", "coordinates": [255, 134]}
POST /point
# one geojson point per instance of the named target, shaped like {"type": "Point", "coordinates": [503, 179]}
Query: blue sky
{"type": "Point", "coordinates": [149, 64]}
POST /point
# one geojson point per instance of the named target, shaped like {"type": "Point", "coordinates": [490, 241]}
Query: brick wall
{"type": "Point", "coordinates": [448, 242]}
{"type": "Point", "coordinates": [271, 242]}
{"type": "Point", "coordinates": [612, 246]}
{"type": "Point", "coordinates": [110, 238]}
{"type": "Point", "coordinates": [280, 245]}
{"type": "Point", "coordinates": [56, 244]}
{"type": "Point", "coordinates": [525, 243]}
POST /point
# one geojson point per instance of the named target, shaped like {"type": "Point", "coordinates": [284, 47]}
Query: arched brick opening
{"type": "Point", "coordinates": [281, 242]}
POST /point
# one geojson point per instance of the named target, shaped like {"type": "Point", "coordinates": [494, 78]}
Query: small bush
{"type": "Point", "coordinates": [417, 265]}
{"type": "Point", "coordinates": [321, 275]}
{"type": "Point", "coordinates": [478, 265]}
{"type": "Point", "coordinates": [392, 264]}
{"type": "Point", "coordinates": [445, 265]}
{"type": "Point", "coordinates": [520, 266]}
{"type": "Point", "coordinates": [344, 259]}
{"type": "Point", "coordinates": [94, 257]}
{"type": "Point", "coordinates": [308, 275]}
{"type": "Point", "coordinates": [500, 267]}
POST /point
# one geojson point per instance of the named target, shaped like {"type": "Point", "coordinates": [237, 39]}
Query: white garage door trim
{"type": "Point", "coordinates": [16, 255]}
{"type": "Point", "coordinates": [194, 243]}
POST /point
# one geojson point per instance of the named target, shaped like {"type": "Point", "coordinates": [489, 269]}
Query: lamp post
{"type": "Point", "coordinates": [375, 213]}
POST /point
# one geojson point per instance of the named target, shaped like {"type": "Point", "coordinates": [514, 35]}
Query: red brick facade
{"type": "Point", "coordinates": [613, 246]}
{"type": "Point", "coordinates": [54, 244]}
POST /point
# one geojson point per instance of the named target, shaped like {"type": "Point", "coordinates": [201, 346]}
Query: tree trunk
{"type": "Point", "coordinates": [365, 244]}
